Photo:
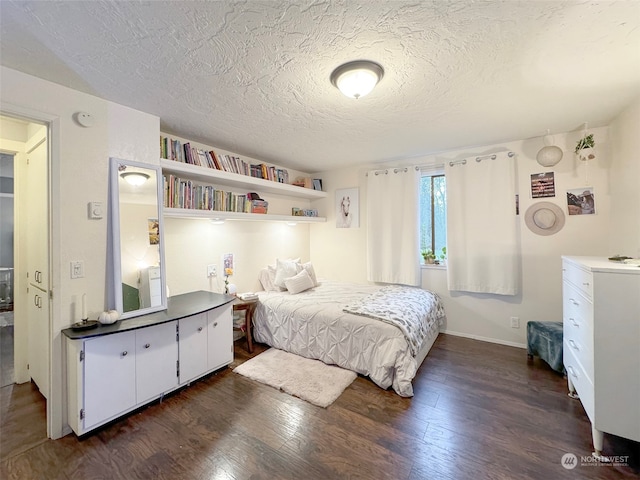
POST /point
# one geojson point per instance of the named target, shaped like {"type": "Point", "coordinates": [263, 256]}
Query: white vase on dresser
{"type": "Point", "coordinates": [601, 344]}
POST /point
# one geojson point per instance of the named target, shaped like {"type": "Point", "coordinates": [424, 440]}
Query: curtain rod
{"type": "Point", "coordinates": [492, 156]}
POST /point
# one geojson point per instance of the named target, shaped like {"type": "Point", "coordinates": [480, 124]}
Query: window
{"type": "Point", "coordinates": [433, 213]}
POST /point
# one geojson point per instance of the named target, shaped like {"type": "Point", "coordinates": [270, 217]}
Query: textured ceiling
{"type": "Point", "coordinates": [252, 77]}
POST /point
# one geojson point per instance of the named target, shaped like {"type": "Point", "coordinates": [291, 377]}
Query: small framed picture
{"type": "Point", "coordinates": [581, 201]}
{"type": "Point", "coordinates": [347, 208]}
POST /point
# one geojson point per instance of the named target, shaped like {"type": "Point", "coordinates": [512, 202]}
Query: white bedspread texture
{"type": "Point", "coordinates": [313, 324]}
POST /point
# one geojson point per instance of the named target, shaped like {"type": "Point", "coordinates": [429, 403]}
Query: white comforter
{"type": "Point", "coordinates": [313, 324]}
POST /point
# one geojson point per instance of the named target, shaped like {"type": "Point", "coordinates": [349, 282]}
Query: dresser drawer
{"type": "Point", "coordinates": [578, 338]}
{"type": "Point", "coordinates": [582, 279]}
{"type": "Point", "coordinates": [580, 380]}
{"type": "Point", "coordinates": [575, 304]}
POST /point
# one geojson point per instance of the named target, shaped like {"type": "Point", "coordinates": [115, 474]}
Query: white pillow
{"type": "Point", "coordinates": [299, 283]}
{"type": "Point", "coordinates": [312, 273]}
{"type": "Point", "coordinates": [285, 269]}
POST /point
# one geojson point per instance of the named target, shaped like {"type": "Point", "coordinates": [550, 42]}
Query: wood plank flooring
{"type": "Point", "coordinates": [480, 411]}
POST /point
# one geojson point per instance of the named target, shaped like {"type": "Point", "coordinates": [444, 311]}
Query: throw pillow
{"type": "Point", "coordinates": [299, 283]}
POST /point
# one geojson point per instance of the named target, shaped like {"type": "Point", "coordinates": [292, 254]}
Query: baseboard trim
{"type": "Point", "coordinates": [485, 339]}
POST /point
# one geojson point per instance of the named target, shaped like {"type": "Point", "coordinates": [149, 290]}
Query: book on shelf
{"type": "Point", "coordinates": [187, 153]}
{"type": "Point", "coordinates": [317, 184]}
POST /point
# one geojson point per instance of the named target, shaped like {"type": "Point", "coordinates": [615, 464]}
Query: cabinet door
{"type": "Point", "coordinates": [193, 347]}
{"type": "Point", "coordinates": [220, 336]}
{"type": "Point", "coordinates": [38, 343]}
{"type": "Point", "coordinates": [109, 377]}
{"type": "Point", "coordinates": [37, 212]}
{"type": "Point", "coordinates": [156, 361]}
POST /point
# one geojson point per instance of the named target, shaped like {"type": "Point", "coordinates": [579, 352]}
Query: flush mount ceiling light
{"type": "Point", "coordinates": [356, 79]}
{"type": "Point", "coordinates": [549, 155]}
{"type": "Point", "coordinates": [135, 178]}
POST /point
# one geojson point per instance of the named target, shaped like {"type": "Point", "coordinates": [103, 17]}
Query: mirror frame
{"type": "Point", "coordinates": [115, 299]}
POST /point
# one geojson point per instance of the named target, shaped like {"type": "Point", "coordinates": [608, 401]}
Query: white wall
{"type": "Point", "coordinates": [79, 168]}
{"type": "Point", "coordinates": [341, 253]}
{"type": "Point", "coordinates": [624, 183]}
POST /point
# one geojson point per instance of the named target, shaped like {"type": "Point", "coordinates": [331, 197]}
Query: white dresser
{"type": "Point", "coordinates": [601, 345]}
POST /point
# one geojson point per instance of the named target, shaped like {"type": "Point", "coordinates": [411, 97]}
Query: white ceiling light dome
{"type": "Point", "coordinates": [357, 79]}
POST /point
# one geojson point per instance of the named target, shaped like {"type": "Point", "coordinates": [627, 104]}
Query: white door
{"type": "Point", "coordinates": [156, 361]}
{"type": "Point", "coordinates": [220, 337]}
{"type": "Point", "coordinates": [109, 377]}
{"type": "Point", "coordinates": [193, 347]}
{"type": "Point", "coordinates": [37, 222]}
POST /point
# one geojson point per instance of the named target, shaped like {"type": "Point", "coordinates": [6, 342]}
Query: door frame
{"type": "Point", "coordinates": [56, 416]}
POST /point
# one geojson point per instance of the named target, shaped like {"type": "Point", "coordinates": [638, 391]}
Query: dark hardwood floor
{"type": "Point", "coordinates": [480, 411]}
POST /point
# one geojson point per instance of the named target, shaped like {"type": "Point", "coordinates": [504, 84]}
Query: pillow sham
{"type": "Point", "coordinates": [285, 269]}
{"type": "Point", "coordinates": [299, 283]}
{"type": "Point", "coordinates": [312, 273]}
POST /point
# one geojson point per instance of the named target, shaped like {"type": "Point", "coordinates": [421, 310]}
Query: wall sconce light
{"type": "Point", "coordinates": [357, 79]}
{"type": "Point", "coordinates": [549, 155]}
{"type": "Point", "coordinates": [135, 178]}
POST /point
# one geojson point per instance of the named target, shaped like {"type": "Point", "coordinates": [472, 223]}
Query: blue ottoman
{"type": "Point", "coordinates": [544, 339]}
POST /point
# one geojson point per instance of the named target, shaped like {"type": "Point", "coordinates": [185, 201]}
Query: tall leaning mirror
{"type": "Point", "coordinates": [137, 246]}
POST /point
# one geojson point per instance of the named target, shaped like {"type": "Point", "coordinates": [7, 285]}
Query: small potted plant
{"type": "Point", "coordinates": [443, 256]}
{"type": "Point", "coordinates": [429, 256]}
{"type": "Point", "coordinates": [585, 148]}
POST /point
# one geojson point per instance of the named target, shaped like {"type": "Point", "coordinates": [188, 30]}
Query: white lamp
{"type": "Point", "coordinates": [549, 155]}
{"type": "Point", "coordinates": [135, 178]}
{"type": "Point", "coordinates": [357, 79]}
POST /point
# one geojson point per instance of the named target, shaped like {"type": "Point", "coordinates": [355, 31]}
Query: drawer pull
{"type": "Point", "coordinates": [199, 329]}
{"type": "Point", "coordinates": [586, 284]}
{"type": "Point", "coordinates": [147, 345]}
{"type": "Point", "coordinates": [572, 371]}
{"type": "Point", "coordinates": [573, 345]}
{"type": "Point", "coordinates": [574, 302]}
{"type": "Point", "coordinates": [574, 323]}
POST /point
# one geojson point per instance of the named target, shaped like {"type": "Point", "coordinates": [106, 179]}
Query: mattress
{"type": "Point", "coordinates": [313, 324]}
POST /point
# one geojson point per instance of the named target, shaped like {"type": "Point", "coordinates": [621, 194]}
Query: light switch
{"type": "Point", "coordinates": [95, 210]}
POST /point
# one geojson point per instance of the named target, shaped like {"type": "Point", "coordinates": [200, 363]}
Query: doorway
{"type": "Point", "coordinates": [24, 255]}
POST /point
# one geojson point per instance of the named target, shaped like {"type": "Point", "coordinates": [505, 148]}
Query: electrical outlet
{"type": "Point", "coordinates": [77, 269]}
{"type": "Point", "coordinates": [515, 322]}
{"type": "Point", "coordinates": [211, 270]}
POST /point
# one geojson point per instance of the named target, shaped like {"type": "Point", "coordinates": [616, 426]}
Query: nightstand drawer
{"type": "Point", "coordinates": [582, 279]}
{"type": "Point", "coordinates": [580, 381]}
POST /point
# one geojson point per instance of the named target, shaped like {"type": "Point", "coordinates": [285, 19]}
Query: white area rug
{"type": "Point", "coordinates": [310, 380]}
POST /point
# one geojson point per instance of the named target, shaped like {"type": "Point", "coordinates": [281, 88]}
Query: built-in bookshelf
{"type": "Point", "coordinates": [203, 182]}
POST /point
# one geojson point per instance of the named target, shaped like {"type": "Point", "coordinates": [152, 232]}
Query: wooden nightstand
{"type": "Point", "coordinates": [248, 306]}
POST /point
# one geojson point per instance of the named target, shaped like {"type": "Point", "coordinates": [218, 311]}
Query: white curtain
{"type": "Point", "coordinates": [482, 251]}
{"type": "Point", "coordinates": [393, 247]}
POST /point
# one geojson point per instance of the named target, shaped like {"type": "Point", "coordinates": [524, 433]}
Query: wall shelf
{"type": "Point", "coordinates": [237, 181]}
{"type": "Point", "coordinates": [216, 214]}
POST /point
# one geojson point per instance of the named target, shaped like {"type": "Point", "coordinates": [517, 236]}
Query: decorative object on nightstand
{"type": "Point", "coordinates": [248, 306]}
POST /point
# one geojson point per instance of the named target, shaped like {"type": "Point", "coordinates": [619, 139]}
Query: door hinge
{"type": "Point", "coordinates": [81, 355]}
{"type": "Point", "coordinates": [82, 414]}
{"type": "Point", "coordinates": [177, 333]}
{"type": "Point", "coordinates": [177, 368]}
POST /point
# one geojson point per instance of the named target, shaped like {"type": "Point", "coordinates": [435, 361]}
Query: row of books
{"type": "Point", "coordinates": [185, 153]}
{"type": "Point", "coordinates": [182, 193]}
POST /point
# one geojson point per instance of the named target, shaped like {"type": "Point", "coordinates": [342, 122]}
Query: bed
{"type": "Point", "coordinates": [331, 322]}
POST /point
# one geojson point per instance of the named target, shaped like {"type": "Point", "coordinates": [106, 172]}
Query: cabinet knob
{"type": "Point", "coordinates": [147, 345]}
{"type": "Point", "coordinates": [215, 324]}
{"type": "Point", "coordinates": [124, 354]}
{"type": "Point", "coordinates": [199, 329]}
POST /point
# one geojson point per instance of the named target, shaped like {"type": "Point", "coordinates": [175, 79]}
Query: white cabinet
{"type": "Point", "coordinates": [206, 342]}
{"type": "Point", "coordinates": [115, 372]}
{"type": "Point", "coordinates": [220, 337]}
{"type": "Point", "coordinates": [193, 347]}
{"type": "Point", "coordinates": [156, 366]}
{"type": "Point", "coordinates": [601, 343]}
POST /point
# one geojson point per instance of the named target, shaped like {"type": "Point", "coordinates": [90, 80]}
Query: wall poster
{"type": "Point", "coordinates": [581, 201]}
{"type": "Point", "coordinates": [347, 208]}
{"type": "Point", "coordinates": [543, 185]}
